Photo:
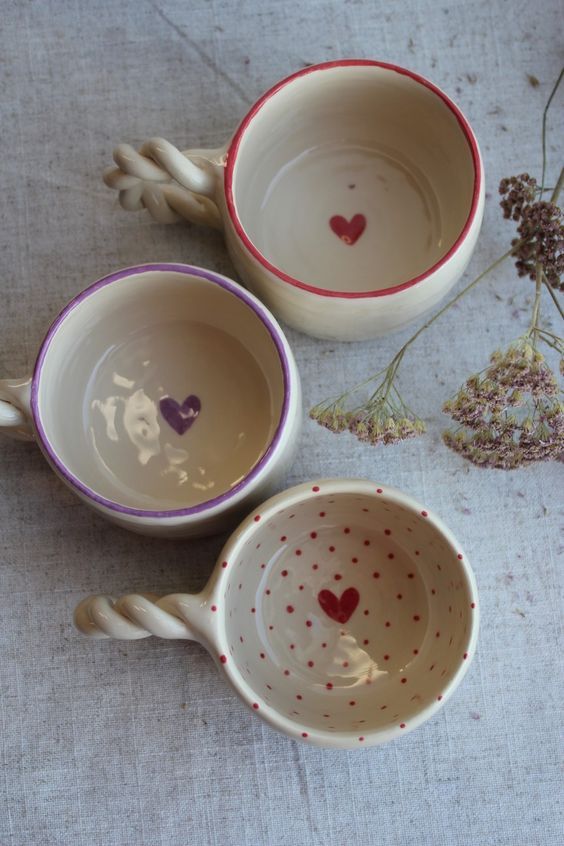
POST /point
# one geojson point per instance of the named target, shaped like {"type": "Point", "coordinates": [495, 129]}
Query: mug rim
{"type": "Point", "coordinates": [228, 285]}
{"type": "Point", "coordinates": [235, 143]}
{"type": "Point", "coordinates": [220, 575]}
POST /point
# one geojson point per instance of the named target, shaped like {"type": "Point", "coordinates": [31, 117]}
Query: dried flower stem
{"type": "Point", "coordinates": [544, 119]}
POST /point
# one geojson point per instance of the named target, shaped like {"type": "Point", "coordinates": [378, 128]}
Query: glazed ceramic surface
{"type": "Point", "coordinates": [351, 196]}
{"type": "Point", "coordinates": [341, 611]}
{"type": "Point", "coordinates": [166, 396]}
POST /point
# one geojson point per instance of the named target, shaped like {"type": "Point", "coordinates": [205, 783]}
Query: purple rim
{"type": "Point", "coordinates": [189, 270]}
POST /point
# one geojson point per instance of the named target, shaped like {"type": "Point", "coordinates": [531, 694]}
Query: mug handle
{"type": "Point", "coordinates": [167, 182]}
{"type": "Point", "coordinates": [15, 412]}
{"type": "Point", "coordinates": [179, 616]}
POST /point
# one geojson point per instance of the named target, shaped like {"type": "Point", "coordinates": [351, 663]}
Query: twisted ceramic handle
{"type": "Point", "coordinates": [14, 408]}
{"type": "Point", "coordinates": [165, 181]}
{"type": "Point", "coordinates": [139, 615]}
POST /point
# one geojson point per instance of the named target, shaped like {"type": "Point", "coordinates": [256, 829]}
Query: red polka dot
{"type": "Point", "coordinates": [366, 612]}
{"type": "Point", "coordinates": [290, 609]}
{"type": "Point", "coordinates": [223, 659]}
{"type": "Point", "coordinates": [292, 646]}
{"type": "Point", "coordinates": [345, 664]}
{"type": "Point", "coordinates": [283, 538]}
{"type": "Point", "coordinates": [391, 555]}
{"type": "Point", "coordinates": [460, 556]}
{"type": "Point", "coordinates": [267, 591]}
{"type": "Point", "coordinates": [402, 725]}
{"type": "Point", "coordinates": [411, 575]}
{"type": "Point", "coordinates": [214, 607]}
{"type": "Point", "coordinates": [268, 687]}
{"type": "Point", "coordinates": [379, 490]}
{"type": "Point", "coordinates": [337, 577]}
{"type": "Point", "coordinates": [257, 518]}
{"type": "Point", "coordinates": [315, 488]}
{"type": "Point", "coordinates": [329, 686]}
{"type": "Point", "coordinates": [315, 566]}
{"type": "Point", "coordinates": [262, 566]}
{"type": "Point", "coordinates": [310, 664]}
{"type": "Point", "coordinates": [284, 573]}
{"type": "Point", "coordinates": [253, 610]}
{"type": "Point", "coordinates": [366, 543]}
{"type": "Point", "coordinates": [387, 531]}
{"type": "Point", "coordinates": [365, 642]}
{"type": "Point", "coordinates": [322, 513]}
{"type": "Point", "coordinates": [301, 587]}
{"type": "Point", "coordinates": [352, 703]}
{"type": "Point", "coordinates": [241, 638]}
{"type": "Point", "coordinates": [298, 552]}
{"type": "Point", "coordinates": [465, 656]}
{"type": "Point", "coordinates": [286, 672]}
{"type": "Point", "coordinates": [424, 513]}
{"type": "Point", "coordinates": [439, 697]}
{"type": "Point", "coordinates": [347, 531]}
{"type": "Point", "coordinates": [224, 564]}
{"type": "Point", "coordinates": [299, 696]}
{"type": "Point", "coordinates": [354, 560]}
{"type": "Point", "coordinates": [361, 739]}
{"type": "Point", "coordinates": [472, 605]}
{"type": "Point", "coordinates": [304, 733]}
{"type": "Point", "coordinates": [376, 574]}
{"type": "Point", "coordinates": [387, 624]}
{"type": "Point", "coordinates": [399, 596]}
{"type": "Point", "coordinates": [309, 624]}
{"type": "Point", "coordinates": [433, 591]}
{"type": "Point", "coordinates": [262, 655]}
{"type": "Point", "coordinates": [404, 681]}
{"type": "Point", "coordinates": [313, 535]}
{"type": "Point", "coordinates": [437, 634]}
{"type": "Point", "coordinates": [386, 657]}
{"type": "Point", "coordinates": [416, 652]}
{"type": "Point", "coordinates": [331, 549]}
{"type": "Point", "coordinates": [417, 552]}
{"type": "Point", "coordinates": [255, 706]}
{"type": "Point", "coordinates": [416, 618]}
{"type": "Point", "coordinates": [326, 715]}
{"type": "Point", "coordinates": [270, 628]}
{"type": "Point", "coordinates": [324, 646]}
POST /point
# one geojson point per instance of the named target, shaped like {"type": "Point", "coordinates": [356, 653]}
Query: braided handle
{"type": "Point", "coordinates": [15, 408]}
{"type": "Point", "coordinates": [166, 182]}
{"type": "Point", "coordinates": [138, 615]}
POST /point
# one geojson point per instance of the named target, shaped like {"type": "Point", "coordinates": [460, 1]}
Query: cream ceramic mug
{"type": "Point", "coordinates": [165, 396]}
{"type": "Point", "coordinates": [351, 196]}
{"type": "Point", "coordinates": [341, 611]}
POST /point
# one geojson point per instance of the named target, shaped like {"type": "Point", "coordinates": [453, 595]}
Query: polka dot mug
{"type": "Point", "coordinates": [342, 612]}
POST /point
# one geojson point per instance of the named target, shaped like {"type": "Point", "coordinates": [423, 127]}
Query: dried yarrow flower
{"type": "Point", "coordinates": [382, 419]}
{"type": "Point", "coordinates": [540, 245]}
{"type": "Point", "coordinates": [511, 412]}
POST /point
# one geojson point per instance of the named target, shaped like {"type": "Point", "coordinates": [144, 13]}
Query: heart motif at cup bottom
{"type": "Point", "coordinates": [180, 417]}
{"type": "Point", "coordinates": [349, 231]}
{"type": "Point", "coordinates": [341, 609]}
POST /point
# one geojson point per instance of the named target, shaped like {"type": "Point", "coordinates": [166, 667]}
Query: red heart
{"type": "Point", "coordinates": [341, 609]}
{"type": "Point", "coordinates": [348, 231]}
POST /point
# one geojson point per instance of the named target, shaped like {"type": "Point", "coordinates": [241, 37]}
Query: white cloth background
{"type": "Point", "coordinates": [142, 744]}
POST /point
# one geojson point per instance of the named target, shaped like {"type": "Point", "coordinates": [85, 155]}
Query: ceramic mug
{"type": "Point", "coordinates": [351, 196]}
{"type": "Point", "coordinates": [167, 398]}
{"type": "Point", "coordinates": [341, 611]}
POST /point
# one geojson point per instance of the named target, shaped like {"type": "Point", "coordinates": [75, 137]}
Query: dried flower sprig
{"type": "Point", "coordinates": [512, 410]}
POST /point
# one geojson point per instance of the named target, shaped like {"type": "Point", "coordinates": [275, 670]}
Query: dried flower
{"type": "Point", "coordinates": [540, 245]}
{"type": "Point", "coordinates": [518, 378]}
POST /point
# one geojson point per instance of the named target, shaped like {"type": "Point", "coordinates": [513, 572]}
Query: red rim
{"type": "Point", "coordinates": [234, 149]}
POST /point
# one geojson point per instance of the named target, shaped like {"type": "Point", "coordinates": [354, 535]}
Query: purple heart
{"type": "Point", "coordinates": [180, 417]}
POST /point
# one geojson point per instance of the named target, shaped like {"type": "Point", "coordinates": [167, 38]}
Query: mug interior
{"type": "Point", "coordinates": [159, 388]}
{"type": "Point", "coordinates": [347, 613]}
{"type": "Point", "coordinates": [353, 177]}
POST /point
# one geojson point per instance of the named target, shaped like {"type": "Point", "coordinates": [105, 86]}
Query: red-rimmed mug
{"type": "Point", "coordinates": [351, 196]}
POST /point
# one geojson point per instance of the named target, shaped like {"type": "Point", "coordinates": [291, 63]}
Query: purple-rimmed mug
{"type": "Point", "coordinates": [166, 396]}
